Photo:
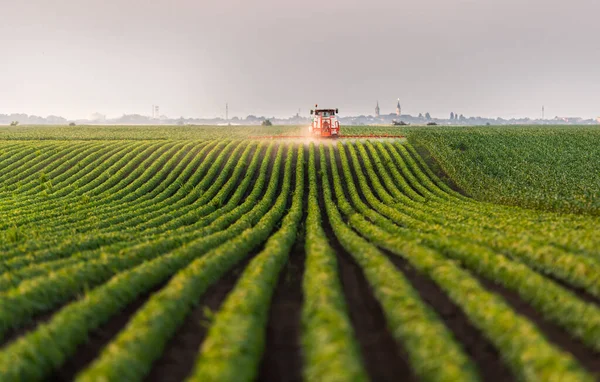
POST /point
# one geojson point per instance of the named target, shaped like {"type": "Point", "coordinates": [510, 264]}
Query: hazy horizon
{"type": "Point", "coordinates": [486, 58]}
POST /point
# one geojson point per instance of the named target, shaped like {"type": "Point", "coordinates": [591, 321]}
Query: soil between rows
{"type": "Point", "coordinates": [29, 326]}
{"type": "Point", "coordinates": [97, 340]}
{"type": "Point", "coordinates": [489, 363]}
{"type": "Point", "coordinates": [282, 357]}
{"type": "Point", "coordinates": [100, 337]}
{"type": "Point", "coordinates": [555, 334]}
{"type": "Point", "coordinates": [484, 355]}
{"type": "Point", "coordinates": [588, 358]}
{"type": "Point", "coordinates": [384, 359]}
{"type": "Point", "coordinates": [579, 292]}
{"type": "Point", "coordinates": [180, 353]}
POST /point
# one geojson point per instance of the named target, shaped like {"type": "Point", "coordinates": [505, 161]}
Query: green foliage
{"type": "Point", "coordinates": [330, 349]}
{"type": "Point", "coordinates": [513, 335]}
{"type": "Point", "coordinates": [434, 354]}
{"type": "Point", "coordinates": [551, 168]}
{"type": "Point", "coordinates": [14, 235]}
{"type": "Point", "coordinates": [92, 223]}
{"type": "Point", "coordinates": [235, 341]}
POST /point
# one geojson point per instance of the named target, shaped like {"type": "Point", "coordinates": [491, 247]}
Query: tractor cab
{"type": "Point", "coordinates": [324, 123]}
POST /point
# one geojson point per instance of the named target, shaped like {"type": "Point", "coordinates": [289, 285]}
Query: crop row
{"type": "Point", "coordinates": [91, 227]}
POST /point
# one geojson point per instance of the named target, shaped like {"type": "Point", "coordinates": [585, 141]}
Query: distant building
{"type": "Point", "coordinates": [97, 117]}
{"type": "Point", "coordinates": [569, 119]}
{"type": "Point", "coordinates": [398, 108]}
{"type": "Point", "coordinates": [377, 110]}
{"type": "Point", "coordinates": [598, 119]}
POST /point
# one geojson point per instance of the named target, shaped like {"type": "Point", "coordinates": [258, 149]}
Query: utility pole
{"type": "Point", "coordinates": [226, 112]}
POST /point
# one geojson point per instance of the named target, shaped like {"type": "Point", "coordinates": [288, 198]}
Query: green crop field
{"type": "Point", "coordinates": [199, 254]}
{"type": "Point", "coordinates": [554, 168]}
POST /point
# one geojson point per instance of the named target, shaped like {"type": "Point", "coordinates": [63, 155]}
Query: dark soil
{"type": "Point", "coordinates": [97, 340]}
{"type": "Point", "coordinates": [282, 357]}
{"type": "Point", "coordinates": [579, 292]}
{"type": "Point", "coordinates": [476, 346]}
{"type": "Point", "coordinates": [555, 334]}
{"type": "Point", "coordinates": [384, 358]}
{"type": "Point", "coordinates": [31, 325]}
{"type": "Point", "coordinates": [180, 353]}
{"type": "Point", "coordinates": [480, 350]}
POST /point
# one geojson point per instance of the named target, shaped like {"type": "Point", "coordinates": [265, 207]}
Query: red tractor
{"type": "Point", "coordinates": [325, 123]}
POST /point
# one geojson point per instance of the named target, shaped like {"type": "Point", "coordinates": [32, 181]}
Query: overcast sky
{"type": "Point", "coordinates": [272, 57]}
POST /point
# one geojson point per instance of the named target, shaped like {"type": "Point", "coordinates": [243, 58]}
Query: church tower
{"type": "Point", "coordinates": [398, 108]}
{"type": "Point", "coordinates": [377, 110]}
